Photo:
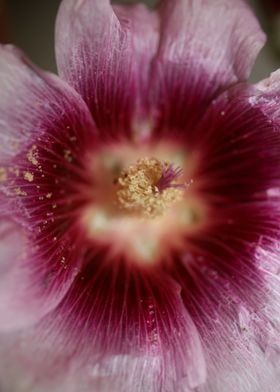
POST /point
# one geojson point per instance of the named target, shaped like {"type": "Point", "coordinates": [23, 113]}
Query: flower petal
{"type": "Point", "coordinates": [229, 277]}
{"type": "Point", "coordinates": [240, 332]}
{"type": "Point", "coordinates": [130, 332]}
{"type": "Point", "coordinates": [238, 177]}
{"type": "Point", "coordinates": [267, 97]}
{"type": "Point", "coordinates": [205, 47]}
{"type": "Point", "coordinates": [29, 288]}
{"type": "Point", "coordinates": [10, 236]}
{"type": "Point", "coordinates": [32, 103]}
{"type": "Point", "coordinates": [26, 367]}
{"type": "Point", "coordinates": [105, 54]}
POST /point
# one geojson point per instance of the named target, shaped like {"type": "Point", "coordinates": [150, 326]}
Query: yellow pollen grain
{"type": "Point", "coordinates": [14, 170]}
{"type": "Point", "coordinates": [19, 192]}
{"type": "Point", "coordinates": [28, 176]}
{"type": "Point", "coordinates": [68, 155]}
{"type": "Point", "coordinates": [138, 193]}
{"type": "Point", "coordinates": [3, 174]}
{"type": "Point", "coordinates": [32, 156]}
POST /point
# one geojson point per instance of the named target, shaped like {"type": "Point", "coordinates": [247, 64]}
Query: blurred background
{"type": "Point", "coordinates": [29, 24]}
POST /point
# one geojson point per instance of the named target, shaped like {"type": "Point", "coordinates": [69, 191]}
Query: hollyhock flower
{"type": "Point", "coordinates": [140, 204]}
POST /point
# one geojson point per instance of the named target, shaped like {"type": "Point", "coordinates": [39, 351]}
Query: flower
{"type": "Point", "coordinates": [140, 204]}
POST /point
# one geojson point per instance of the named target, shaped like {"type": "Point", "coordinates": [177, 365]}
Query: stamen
{"type": "Point", "coordinates": [148, 188]}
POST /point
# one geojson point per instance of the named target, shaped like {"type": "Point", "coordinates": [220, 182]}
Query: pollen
{"type": "Point", "coordinates": [20, 192]}
{"type": "Point", "coordinates": [140, 191]}
{"type": "Point", "coordinates": [28, 176]}
{"type": "Point", "coordinates": [68, 155]}
{"type": "Point", "coordinates": [32, 156]}
{"type": "Point", "coordinates": [3, 174]}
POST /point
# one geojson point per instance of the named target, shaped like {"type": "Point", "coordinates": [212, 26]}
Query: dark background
{"type": "Point", "coordinates": [30, 25]}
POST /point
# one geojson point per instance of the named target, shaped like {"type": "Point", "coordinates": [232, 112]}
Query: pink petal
{"type": "Point", "coordinates": [32, 103]}
{"type": "Point", "coordinates": [9, 234]}
{"type": "Point", "coordinates": [230, 277]}
{"type": "Point", "coordinates": [127, 332]}
{"type": "Point", "coordinates": [105, 54]}
{"type": "Point", "coordinates": [239, 146]}
{"type": "Point", "coordinates": [240, 332]}
{"type": "Point", "coordinates": [29, 288]}
{"type": "Point", "coordinates": [130, 75]}
{"type": "Point", "coordinates": [205, 47]}
{"type": "Point", "coordinates": [239, 177]}
{"type": "Point", "coordinates": [267, 97]}
{"type": "Point", "coordinates": [26, 367]}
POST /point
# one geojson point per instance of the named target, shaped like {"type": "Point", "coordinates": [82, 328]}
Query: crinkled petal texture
{"type": "Point", "coordinates": [177, 57]}
{"type": "Point", "coordinates": [230, 283]}
{"type": "Point", "coordinates": [105, 54]}
{"type": "Point", "coordinates": [34, 106]}
{"type": "Point", "coordinates": [208, 319]}
{"type": "Point", "coordinates": [205, 46]}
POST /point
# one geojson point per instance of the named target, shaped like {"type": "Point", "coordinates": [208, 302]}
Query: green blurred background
{"type": "Point", "coordinates": [30, 25]}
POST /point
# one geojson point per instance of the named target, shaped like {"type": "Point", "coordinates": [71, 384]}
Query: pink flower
{"type": "Point", "coordinates": [140, 205]}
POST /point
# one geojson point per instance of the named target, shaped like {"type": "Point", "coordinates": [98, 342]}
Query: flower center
{"type": "Point", "coordinates": [149, 187]}
{"type": "Point", "coordinates": [143, 201]}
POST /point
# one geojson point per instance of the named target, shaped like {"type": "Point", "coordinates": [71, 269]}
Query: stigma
{"type": "Point", "coordinates": [149, 188]}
